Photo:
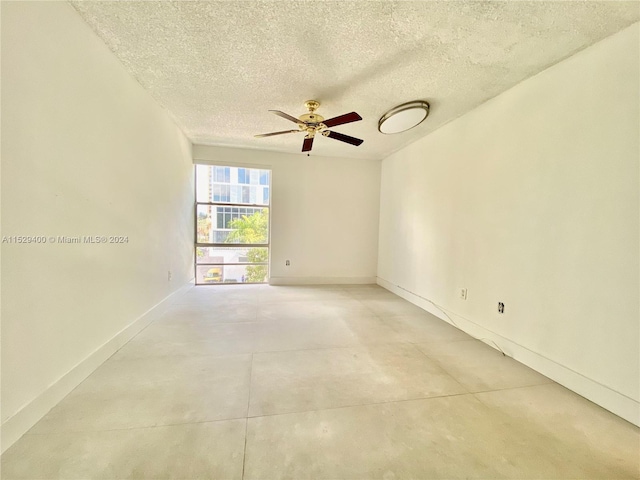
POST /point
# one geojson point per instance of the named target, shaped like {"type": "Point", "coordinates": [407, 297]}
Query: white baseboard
{"type": "Point", "coordinates": [19, 423]}
{"type": "Point", "coordinates": [599, 394]}
{"type": "Point", "coordinates": [321, 280]}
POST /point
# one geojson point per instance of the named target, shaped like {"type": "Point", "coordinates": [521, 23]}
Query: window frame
{"type": "Point", "coordinates": [216, 204]}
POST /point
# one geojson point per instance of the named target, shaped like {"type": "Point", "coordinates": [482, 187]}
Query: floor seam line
{"type": "Point", "coordinates": [246, 422]}
{"type": "Point", "coordinates": [143, 427]}
{"type": "Point", "coordinates": [364, 405]}
{"type": "Point", "coordinates": [244, 453]}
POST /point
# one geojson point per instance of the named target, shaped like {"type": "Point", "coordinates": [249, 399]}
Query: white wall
{"type": "Point", "coordinates": [532, 200]}
{"type": "Point", "coordinates": [85, 151]}
{"type": "Point", "coordinates": [324, 215]}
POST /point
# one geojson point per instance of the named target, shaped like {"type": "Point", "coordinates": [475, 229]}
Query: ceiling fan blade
{"type": "Point", "coordinates": [285, 115]}
{"type": "Point", "coordinates": [345, 138]}
{"type": "Point", "coordinates": [277, 133]}
{"type": "Point", "coordinates": [342, 119]}
{"type": "Point", "coordinates": [307, 144]}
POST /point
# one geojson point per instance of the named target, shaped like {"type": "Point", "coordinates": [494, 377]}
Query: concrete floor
{"type": "Point", "coordinates": [349, 382]}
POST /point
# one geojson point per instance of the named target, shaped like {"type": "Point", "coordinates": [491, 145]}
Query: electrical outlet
{"type": "Point", "coordinates": [500, 307]}
{"type": "Point", "coordinates": [463, 293]}
{"type": "Point", "coordinates": [169, 275]}
{"type": "Point", "coordinates": [287, 263]}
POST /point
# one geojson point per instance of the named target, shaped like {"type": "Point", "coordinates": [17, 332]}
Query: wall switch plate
{"type": "Point", "coordinates": [500, 307]}
{"type": "Point", "coordinates": [463, 293]}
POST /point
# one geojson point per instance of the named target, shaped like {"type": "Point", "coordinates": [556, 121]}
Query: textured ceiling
{"type": "Point", "coordinates": [219, 66]}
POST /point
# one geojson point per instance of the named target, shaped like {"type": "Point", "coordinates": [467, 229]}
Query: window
{"type": "Point", "coordinates": [221, 193]}
{"type": "Point", "coordinates": [222, 174]}
{"type": "Point", "coordinates": [226, 214]}
{"type": "Point", "coordinates": [232, 225]}
{"type": "Point", "coordinates": [244, 176]}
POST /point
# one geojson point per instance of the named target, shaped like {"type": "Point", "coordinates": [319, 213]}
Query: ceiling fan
{"type": "Point", "coordinates": [311, 123]}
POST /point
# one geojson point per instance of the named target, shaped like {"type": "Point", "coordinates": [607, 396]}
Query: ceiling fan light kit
{"type": "Point", "coordinates": [403, 117]}
{"type": "Point", "coordinates": [311, 123]}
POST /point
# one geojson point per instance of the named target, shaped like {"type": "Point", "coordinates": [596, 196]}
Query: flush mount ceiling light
{"type": "Point", "coordinates": [403, 117]}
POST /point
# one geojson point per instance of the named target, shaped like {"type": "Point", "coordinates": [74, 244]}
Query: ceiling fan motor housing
{"type": "Point", "coordinates": [311, 122]}
{"type": "Point", "coordinates": [311, 118]}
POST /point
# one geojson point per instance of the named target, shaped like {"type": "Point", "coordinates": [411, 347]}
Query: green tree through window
{"type": "Point", "coordinates": [252, 229]}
